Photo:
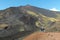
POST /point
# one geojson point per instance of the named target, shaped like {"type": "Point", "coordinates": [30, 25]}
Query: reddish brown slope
{"type": "Point", "coordinates": [43, 36]}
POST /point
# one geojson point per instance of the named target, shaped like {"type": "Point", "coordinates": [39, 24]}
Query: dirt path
{"type": "Point", "coordinates": [43, 36]}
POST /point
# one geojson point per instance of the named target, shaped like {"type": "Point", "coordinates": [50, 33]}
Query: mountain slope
{"type": "Point", "coordinates": [26, 18]}
{"type": "Point", "coordinates": [40, 10]}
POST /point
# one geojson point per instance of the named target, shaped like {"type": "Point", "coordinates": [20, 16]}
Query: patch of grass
{"type": "Point", "coordinates": [3, 25]}
{"type": "Point", "coordinates": [32, 13]}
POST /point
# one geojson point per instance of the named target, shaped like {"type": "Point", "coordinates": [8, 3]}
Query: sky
{"type": "Point", "coordinates": [53, 5]}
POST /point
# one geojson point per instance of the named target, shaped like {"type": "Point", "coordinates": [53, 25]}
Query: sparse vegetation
{"type": "Point", "coordinates": [23, 19]}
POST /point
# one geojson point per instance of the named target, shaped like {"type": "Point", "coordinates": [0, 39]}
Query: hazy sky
{"type": "Point", "coordinates": [47, 4]}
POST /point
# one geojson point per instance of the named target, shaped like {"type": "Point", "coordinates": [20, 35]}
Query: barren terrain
{"type": "Point", "coordinates": [43, 36]}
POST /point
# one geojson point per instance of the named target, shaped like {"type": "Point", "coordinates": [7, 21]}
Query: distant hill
{"type": "Point", "coordinates": [28, 18]}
